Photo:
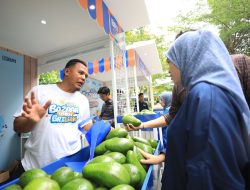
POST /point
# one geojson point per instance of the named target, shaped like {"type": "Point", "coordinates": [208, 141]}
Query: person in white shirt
{"type": "Point", "coordinates": [52, 113]}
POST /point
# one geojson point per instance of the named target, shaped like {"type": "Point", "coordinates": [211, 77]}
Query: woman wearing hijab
{"type": "Point", "coordinates": [165, 101]}
{"type": "Point", "coordinates": [166, 98]}
{"type": "Point", "coordinates": [208, 140]}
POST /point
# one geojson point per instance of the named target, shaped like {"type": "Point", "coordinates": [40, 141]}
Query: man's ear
{"type": "Point", "coordinates": [66, 71]}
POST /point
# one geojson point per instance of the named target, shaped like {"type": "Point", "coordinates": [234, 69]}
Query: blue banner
{"type": "Point", "coordinates": [11, 87]}
{"type": "Point", "coordinates": [114, 26]}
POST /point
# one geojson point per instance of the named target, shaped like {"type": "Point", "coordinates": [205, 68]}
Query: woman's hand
{"type": "Point", "coordinates": [130, 127]}
{"type": "Point", "coordinates": [152, 159]}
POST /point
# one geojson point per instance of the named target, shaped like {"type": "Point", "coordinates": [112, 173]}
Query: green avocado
{"type": "Point", "coordinates": [117, 132]}
{"type": "Point", "coordinates": [63, 175]}
{"type": "Point", "coordinates": [13, 187]}
{"type": "Point", "coordinates": [79, 184]}
{"type": "Point", "coordinates": [106, 174]}
{"type": "Point", "coordinates": [134, 174]}
{"type": "Point", "coordinates": [42, 183]}
{"type": "Point", "coordinates": [117, 156]}
{"type": "Point", "coordinates": [141, 140]}
{"type": "Point", "coordinates": [100, 159]}
{"type": "Point", "coordinates": [131, 158]}
{"type": "Point", "coordinates": [122, 187]}
{"type": "Point", "coordinates": [130, 119]}
{"type": "Point", "coordinates": [119, 145]}
{"type": "Point", "coordinates": [29, 175]}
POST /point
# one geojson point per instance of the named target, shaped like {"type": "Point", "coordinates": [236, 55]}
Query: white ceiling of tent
{"type": "Point", "coordinates": [147, 51]}
{"type": "Point", "coordinates": [67, 23]}
{"type": "Point", "coordinates": [69, 32]}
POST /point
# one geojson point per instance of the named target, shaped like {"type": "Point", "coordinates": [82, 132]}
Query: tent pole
{"type": "Point", "coordinates": [151, 92]}
{"type": "Point", "coordinates": [136, 94]}
{"type": "Point", "coordinates": [114, 87]}
{"type": "Point", "coordinates": [126, 83]}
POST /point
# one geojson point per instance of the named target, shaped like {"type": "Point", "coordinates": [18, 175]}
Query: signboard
{"type": "Point", "coordinates": [90, 89]}
{"type": "Point", "coordinates": [11, 87]}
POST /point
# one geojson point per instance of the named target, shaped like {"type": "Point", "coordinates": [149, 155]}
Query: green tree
{"type": "Point", "coordinates": [49, 77]}
{"type": "Point", "coordinates": [231, 17]}
{"type": "Point", "coordinates": [143, 34]}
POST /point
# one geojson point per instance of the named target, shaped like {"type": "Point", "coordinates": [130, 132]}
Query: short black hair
{"type": "Point", "coordinates": [72, 62]}
{"type": "Point", "coordinates": [140, 94]}
{"type": "Point", "coordinates": [181, 32]}
{"type": "Point", "coordinates": [104, 90]}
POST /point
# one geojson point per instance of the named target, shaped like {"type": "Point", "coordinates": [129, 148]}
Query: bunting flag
{"type": "Point", "coordinates": [96, 66]}
{"type": "Point", "coordinates": [92, 8]}
{"type": "Point", "coordinates": [118, 62]}
{"type": "Point", "coordinates": [104, 64]}
{"type": "Point", "coordinates": [131, 57]}
{"type": "Point", "coordinates": [107, 65]}
{"type": "Point", "coordinates": [99, 11]}
{"type": "Point", "coordinates": [106, 14]}
{"type": "Point", "coordinates": [90, 68]}
{"type": "Point", "coordinates": [84, 4]}
{"type": "Point", "coordinates": [101, 65]}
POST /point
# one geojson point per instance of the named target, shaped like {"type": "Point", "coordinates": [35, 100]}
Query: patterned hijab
{"type": "Point", "coordinates": [202, 57]}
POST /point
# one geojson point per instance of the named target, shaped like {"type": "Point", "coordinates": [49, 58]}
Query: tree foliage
{"type": "Point", "coordinates": [49, 77]}
{"type": "Point", "coordinates": [143, 34]}
{"type": "Point", "coordinates": [231, 17]}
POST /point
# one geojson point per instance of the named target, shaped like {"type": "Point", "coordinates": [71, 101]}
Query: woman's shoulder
{"type": "Point", "coordinates": [205, 91]}
{"type": "Point", "coordinates": [204, 88]}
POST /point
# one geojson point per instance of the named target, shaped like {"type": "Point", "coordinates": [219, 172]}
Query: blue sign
{"type": "Point", "coordinates": [90, 89]}
{"type": "Point", "coordinates": [114, 26]}
{"type": "Point", "coordinates": [11, 87]}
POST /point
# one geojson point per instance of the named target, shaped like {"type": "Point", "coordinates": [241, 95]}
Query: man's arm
{"type": "Point", "coordinates": [32, 114]}
{"type": "Point", "coordinates": [23, 125]}
{"type": "Point", "coordinates": [87, 126]}
{"type": "Point", "coordinates": [102, 111]}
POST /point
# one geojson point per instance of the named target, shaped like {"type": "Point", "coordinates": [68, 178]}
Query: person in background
{"type": "Point", "coordinates": [208, 140]}
{"type": "Point", "coordinates": [51, 114]}
{"type": "Point", "coordinates": [142, 104]}
{"type": "Point", "coordinates": [107, 113]}
{"type": "Point", "coordinates": [242, 66]}
{"type": "Point", "coordinates": [165, 101]}
{"type": "Point", "coordinates": [157, 106]}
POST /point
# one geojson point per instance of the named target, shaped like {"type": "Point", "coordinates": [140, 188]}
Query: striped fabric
{"type": "Point", "coordinates": [104, 64]}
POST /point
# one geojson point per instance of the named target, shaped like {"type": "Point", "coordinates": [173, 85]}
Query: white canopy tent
{"type": "Point", "coordinates": [69, 33]}
{"type": "Point", "coordinates": [68, 25]}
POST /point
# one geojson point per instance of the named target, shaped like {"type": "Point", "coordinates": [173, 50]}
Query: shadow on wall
{"type": "Point", "coordinates": [13, 143]}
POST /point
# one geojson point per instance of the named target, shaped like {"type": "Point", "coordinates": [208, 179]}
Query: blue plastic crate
{"type": "Point", "coordinates": [83, 155]}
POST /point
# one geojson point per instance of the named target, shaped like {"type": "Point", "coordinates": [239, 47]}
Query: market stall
{"type": "Point", "coordinates": [77, 36]}
{"type": "Point", "coordinates": [39, 36]}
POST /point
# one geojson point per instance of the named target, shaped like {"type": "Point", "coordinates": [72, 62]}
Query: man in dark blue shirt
{"type": "Point", "coordinates": [107, 113]}
{"type": "Point", "coordinates": [142, 104]}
